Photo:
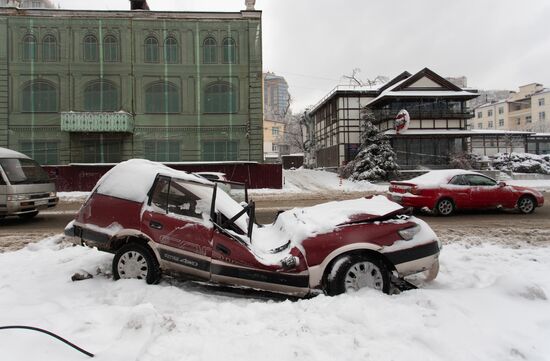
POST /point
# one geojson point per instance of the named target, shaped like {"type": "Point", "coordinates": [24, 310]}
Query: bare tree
{"type": "Point", "coordinates": [355, 80]}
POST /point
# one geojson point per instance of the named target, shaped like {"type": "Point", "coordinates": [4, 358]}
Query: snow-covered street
{"type": "Point", "coordinates": [490, 302]}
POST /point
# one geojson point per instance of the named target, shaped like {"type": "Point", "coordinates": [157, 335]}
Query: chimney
{"type": "Point", "coordinates": [139, 5]}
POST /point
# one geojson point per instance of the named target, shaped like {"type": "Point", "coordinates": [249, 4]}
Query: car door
{"type": "Point", "coordinates": [177, 223]}
{"type": "Point", "coordinates": [460, 191]}
{"type": "Point", "coordinates": [484, 191]}
{"type": "Point", "coordinates": [3, 193]}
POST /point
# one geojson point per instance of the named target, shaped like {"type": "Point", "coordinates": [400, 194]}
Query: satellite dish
{"type": "Point", "coordinates": [402, 121]}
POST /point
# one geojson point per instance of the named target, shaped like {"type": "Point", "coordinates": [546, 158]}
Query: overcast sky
{"type": "Point", "coordinates": [497, 44]}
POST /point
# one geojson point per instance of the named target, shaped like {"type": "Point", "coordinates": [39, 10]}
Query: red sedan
{"type": "Point", "coordinates": [158, 220]}
{"type": "Point", "coordinates": [444, 191]}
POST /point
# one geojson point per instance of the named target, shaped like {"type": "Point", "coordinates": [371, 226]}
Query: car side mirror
{"type": "Point", "coordinates": [502, 184]}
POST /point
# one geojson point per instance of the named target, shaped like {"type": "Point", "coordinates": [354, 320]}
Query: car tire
{"type": "Point", "coordinates": [444, 207]}
{"type": "Point", "coordinates": [353, 272]}
{"type": "Point", "coordinates": [526, 204]}
{"type": "Point", "coordinates": [136, 261]}
{"type": "Point", "coordinates": [28, 215]}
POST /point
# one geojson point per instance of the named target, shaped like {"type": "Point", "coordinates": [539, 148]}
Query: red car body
{"type": "Point", "coordinates": [464, 190]}
{"type": "Point", "coordinates": [220, 246]}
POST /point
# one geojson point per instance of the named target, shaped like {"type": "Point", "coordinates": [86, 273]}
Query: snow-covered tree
{"type": "Point", "coordinates": [376, 159]}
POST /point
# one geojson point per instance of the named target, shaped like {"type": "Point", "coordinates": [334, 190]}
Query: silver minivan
{"type": "Point", "coordinates": [25, 188]}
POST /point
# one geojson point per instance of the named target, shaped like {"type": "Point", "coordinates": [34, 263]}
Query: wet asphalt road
{"type": "Point", "coordinates": [53, 221]}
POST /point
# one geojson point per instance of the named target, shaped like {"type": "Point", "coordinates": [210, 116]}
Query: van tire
{"type": "Point", "coordinates": [28, 215]}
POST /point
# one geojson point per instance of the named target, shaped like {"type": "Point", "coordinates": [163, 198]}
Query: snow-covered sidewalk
{"type": "Point", "coordinates": [490, 302]}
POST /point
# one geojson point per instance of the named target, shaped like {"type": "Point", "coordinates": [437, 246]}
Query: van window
{"type": "Point", "coordinates": [24, 171]}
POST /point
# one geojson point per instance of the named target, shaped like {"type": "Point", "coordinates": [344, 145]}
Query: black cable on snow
{"type": "Point", "coordinates": [50, 334]}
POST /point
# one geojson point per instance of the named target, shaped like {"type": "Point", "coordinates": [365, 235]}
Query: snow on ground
{"type": "Point", "coordinates": [73, 196]}
{"type": "Point", "coordinates": [318, 181]}
{"type": "Point", "coordinates": [490, 302]}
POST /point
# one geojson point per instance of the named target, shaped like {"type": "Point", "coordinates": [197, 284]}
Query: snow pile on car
{"type": "Point", "coordinates": [522, 162]}
{"type": "Point", "coordinates": [297, 224]}
{"type": "Point", "coordinates": [133, 179]}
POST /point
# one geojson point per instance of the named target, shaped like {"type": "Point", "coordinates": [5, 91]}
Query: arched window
{"type": "Point", "coordinates": [220, 97]}
{"type": "Point", "coordinates": [229, 51]}
{"type": "Point", "coordinates": [210, 51]}
{"type": "Point", "coordinates": [101, 96]}
{"type": "Point", "coordinates": [39, 97]}
{"type": "Point", "coordinates": [29, 48]}
{"type": "Point", "coordinates": [162, 97]}
{"type": "Point", "coordinates": [49, 48]}
{"type": "Point", "coordinates": [151, 50]}
{"type": "Point", "coordinates": [90, 48]}
{"type": "Point", "coordinates": [110, 49]}
{"type": "Point", "coordinates": [171, 50]}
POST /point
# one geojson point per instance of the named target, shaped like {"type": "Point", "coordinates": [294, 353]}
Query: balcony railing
{"type": "Point", "coordinates": [438, 113]}
{"type": "Point", "coordinates": [111, 122]}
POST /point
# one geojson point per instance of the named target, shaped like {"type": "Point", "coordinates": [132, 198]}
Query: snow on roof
{"type": "Point", "coordinates": [437, 177]}
{"type": "Point", "coordinates": [457, 132]}
{"type": "Point", "coordinates": [8, 153]}
{"type": "Point", "coordinates": [499, 132]}
{"type": "Point", "coordinates": [132, 179]}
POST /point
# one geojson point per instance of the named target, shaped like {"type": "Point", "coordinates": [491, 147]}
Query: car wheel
{"type": "Point", "coordinates": [136, 261]}
{"type": "Point", "coordinates": [526, 204]}
{"type": "Point", "coordinates": [28, 215]}
{"type": "Point", "coordinates": [444, 207]}
{"type": "Point", "coordinates": [352, 273]}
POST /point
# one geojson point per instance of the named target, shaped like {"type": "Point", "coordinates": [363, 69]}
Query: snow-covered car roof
{"type": "Point", "coordinates": [8, 153]}
{"type": "Point", "coordinates": [437, 177]}
{"type": "Point", "coordinates": [133, 179]}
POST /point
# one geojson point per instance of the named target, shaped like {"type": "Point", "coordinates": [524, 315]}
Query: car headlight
{"type": "Point", "coordinates": [19, 197]}
{"type": "Point", "coordinates": [52, 194]}
{"type": "Point", "coordinates": [408, 233]}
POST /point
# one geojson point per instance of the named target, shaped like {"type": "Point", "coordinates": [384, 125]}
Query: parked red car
{"type": "Point", "coordinates": [444, 191]}
{"type": "Point", "coordinates": [156, 219]}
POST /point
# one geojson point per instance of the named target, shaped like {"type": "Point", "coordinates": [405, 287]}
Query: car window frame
{"type": "Point", "coordinates": [481, 185]}
{"type": "Point", "coordinates": [465, 182]}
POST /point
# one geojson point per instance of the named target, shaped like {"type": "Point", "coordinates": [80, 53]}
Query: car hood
{"type": "Point", "coordinates": [524, 189]}
{"type": "Point", "coordinates": [298, 224]}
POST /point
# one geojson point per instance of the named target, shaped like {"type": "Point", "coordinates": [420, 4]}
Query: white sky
{"type": "Point", "coordinates": [497, 44]}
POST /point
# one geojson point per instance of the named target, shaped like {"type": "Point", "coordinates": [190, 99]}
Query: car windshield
{"type": "Point", "coordinates": [23, 171]}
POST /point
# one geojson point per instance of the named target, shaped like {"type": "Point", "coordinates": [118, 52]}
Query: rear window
{"type": "Point", "coordinates": [24, 171]}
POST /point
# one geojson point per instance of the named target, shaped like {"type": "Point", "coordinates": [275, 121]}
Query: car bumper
{"type": "Point", "coordinates": [28, 206]}
{"type": "Point", "coordinates": [411, 200]}
{"type": "Point", "coordinates": [414, 260]}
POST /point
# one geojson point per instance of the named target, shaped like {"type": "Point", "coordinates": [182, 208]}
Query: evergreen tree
{"type": "Point", "coordinates": [376, 159]}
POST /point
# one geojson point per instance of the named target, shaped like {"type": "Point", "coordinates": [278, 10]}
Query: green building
{"type": "Point", "coordinates": [105, 86]}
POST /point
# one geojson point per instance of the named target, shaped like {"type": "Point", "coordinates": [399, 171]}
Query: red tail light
{"type": "Point", "coordinates": [416, 191]}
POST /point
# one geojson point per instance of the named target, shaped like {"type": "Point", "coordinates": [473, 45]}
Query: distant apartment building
{"type": "Point", "coordinates": [526, 110]}
{"type": "Point", "coordinates": [274, 140]}
{"type": "Point", "coordinates": [28, 4]}
{"type": "Point", "coordinates": [276, 108]}
{"type": "Point", "coordinates": [276, 96]}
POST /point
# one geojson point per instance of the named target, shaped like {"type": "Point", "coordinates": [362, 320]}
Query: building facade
{"type": "Point", "coordinates": [105, 86]}
{"type": "Point", "coordinates": [438, 120]}
{"type": "Point", "coordinates": [274, 140]}
{"type": "Point", "coordinates": [525, 110]}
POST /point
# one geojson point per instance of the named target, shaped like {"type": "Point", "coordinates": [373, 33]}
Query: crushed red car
{"type": "Point", "coordinates": [158, 220]}
{"type": "Point", "coordinates": [444, 191]}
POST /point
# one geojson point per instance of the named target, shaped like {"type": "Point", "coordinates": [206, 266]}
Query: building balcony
{"type": "Point", "coordinates": [106, 122]}
{"type": "Point", "coordinates": [419, 114]}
